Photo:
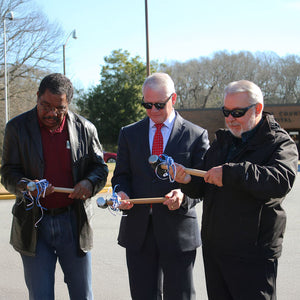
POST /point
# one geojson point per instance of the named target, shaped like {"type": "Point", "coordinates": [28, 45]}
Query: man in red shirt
{"type": "Point", "coordinates": [50, 142]}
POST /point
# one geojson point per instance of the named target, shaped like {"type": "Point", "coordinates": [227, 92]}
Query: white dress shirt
{"type": "Point", "coordinates": [165, 130]}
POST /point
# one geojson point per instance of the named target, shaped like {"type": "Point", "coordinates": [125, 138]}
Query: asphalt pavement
{"type": "Point", "coordinates": [110, 280]}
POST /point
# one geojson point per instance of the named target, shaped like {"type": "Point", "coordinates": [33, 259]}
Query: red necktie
{"type": "Point", "coordinates": [158, 142]}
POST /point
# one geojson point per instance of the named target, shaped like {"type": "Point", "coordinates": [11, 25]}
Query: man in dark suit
{"type": "Point", "coordinates": [158, 237]}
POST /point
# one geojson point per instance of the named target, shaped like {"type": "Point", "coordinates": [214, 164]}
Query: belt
{"type": "Point", "coordinates": [58, 211]}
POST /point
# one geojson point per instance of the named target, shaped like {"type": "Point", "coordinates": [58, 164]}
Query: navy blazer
{"type": "Point", "coordinates": [174, 230]}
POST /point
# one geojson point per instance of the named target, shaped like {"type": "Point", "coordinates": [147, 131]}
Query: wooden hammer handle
{"type": "Point", "coordinates": [63, 190]}
{"type": "Point", "coordinates": [31, 187]}
{"type": "Point", "coordinates": [142, 200]}
{"type": "Point", "coordinates": [194, 172]}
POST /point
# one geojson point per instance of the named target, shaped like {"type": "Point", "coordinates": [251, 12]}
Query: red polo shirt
{"type": "Point", "coordinates": [57, 164]}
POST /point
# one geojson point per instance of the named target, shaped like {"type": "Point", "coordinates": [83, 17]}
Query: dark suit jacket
{"type": "Point", "coordinates": [174, 230]}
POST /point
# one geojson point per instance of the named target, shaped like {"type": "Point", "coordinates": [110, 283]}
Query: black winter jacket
{"type": "Point", "coordinates": [245, 217]}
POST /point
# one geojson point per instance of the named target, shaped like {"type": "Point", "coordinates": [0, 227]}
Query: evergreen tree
{"type": "Point", "coordinates": [115, 102]}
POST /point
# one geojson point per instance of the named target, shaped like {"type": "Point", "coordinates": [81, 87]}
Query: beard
{"type": "Point", "coordinates": [241, 128]}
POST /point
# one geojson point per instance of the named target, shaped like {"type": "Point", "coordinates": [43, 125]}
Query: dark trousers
{"type": "Point", "coordinates": [235, 278]}
{"type": "Point", "coordinates": [151, 272]}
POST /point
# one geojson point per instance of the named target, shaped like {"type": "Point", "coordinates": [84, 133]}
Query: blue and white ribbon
{"type": "Point", "coordinates": [169, 162]}
{"type": "Point", "coordinates": [40, 187]}
{"type": "Point", "coordinates": [114, 208]}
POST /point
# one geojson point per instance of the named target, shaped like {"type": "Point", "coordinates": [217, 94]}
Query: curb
{"type": "Point", "coordinates": [8, 196]}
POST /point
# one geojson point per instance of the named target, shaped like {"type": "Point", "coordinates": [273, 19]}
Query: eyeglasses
{"type": "Point", "coordinates": [47, 108]}
{"type": "Point", "coordinates": [158, 105]}
{"type": "Point", "coordinates": [236, 113]}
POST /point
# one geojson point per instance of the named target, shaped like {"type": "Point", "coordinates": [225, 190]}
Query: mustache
{"type": "Point", "coordinates": [51, 118]}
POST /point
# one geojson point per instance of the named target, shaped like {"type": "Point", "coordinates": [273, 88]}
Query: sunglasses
{"type": "Point", "coordinates": [236, 113]}
{"type": "Point", "coordinates": [158, 105]}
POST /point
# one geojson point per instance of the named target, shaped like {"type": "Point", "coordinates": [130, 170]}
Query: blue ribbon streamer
{"type": "Point", "coordinates": [169, 162]}
{"type": "Point", "coordinates": [114, 208]}
{"type": "Point", "coordinates": [41, 187]}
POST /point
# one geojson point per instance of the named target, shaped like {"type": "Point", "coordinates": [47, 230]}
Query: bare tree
{"type": "Point", "coordinates": [179, 73]}
{"type": "Point", "coordinates": [32, 42]}
{"type": "Point", "coordinates": [290, 80]}
{"type": "Point", "coordinates": [200, 82]}
{"type": "Point", "coordinates": [268, 75]}
{"type": "Point", "coordinates": [33, 48]}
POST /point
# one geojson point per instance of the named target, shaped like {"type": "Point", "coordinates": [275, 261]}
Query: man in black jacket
{"type": "Point", "coordinates": [251, 167]}
{"type": "Point", "coordinates": [50, 142]}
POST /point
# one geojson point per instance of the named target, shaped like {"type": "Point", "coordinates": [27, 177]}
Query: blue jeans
{"type": "Point", "coordinates": [57, 239]}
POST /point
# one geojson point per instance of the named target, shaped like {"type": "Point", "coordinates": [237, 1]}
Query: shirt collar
{"type": "Point", "coordinates": [168, 123]}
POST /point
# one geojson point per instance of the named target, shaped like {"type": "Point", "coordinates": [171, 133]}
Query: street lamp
{"type": "Point", "coordinates": [147, 38]}
{"type": "Point", "coordinates": [74, 36]}
{"type": "Point", "coordinates": [9, 16]}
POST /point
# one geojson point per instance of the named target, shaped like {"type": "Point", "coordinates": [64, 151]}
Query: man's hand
{"type": "Point", "coordinates": [49, 190]}
{"type": "Point", "coordinates": [214, 176]}
{"type": "Point", "coordinates": [181, 175]}
{"type": "Point", "coordinates": [124, 204]}
{"type": "Point", "coordinates": [22, 185]}
{"type": "Point", "coordinates": [175, 198]}
{"type": "Point", "coordinates": [82, 190]}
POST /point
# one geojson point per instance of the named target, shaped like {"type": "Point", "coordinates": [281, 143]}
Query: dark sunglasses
{"type": "Point", "coordinates": [158, 105]}
{"type": "Point", "coordinates": [236, 113]}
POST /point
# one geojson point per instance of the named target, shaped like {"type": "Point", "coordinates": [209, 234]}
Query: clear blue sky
{"type": "Point", "coordinates": [178, 29]}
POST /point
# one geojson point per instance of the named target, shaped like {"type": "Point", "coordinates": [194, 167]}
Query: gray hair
{"type": "Point", "coordinates": [241, 86]}
{"type": "Point", "coordinates": [158, 82]}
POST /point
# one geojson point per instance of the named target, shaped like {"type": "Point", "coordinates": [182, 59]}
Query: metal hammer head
{"type": "Point", "coordinates": [158, 163]}
{"type": "Point", "coordinates": [154, 161]}
{"type": "Point", "coordinates": [26, 185]}
{"type": "Point", "coordinates": [101, 202]}
{"type": "Point", "coordinates": [31, 186]}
